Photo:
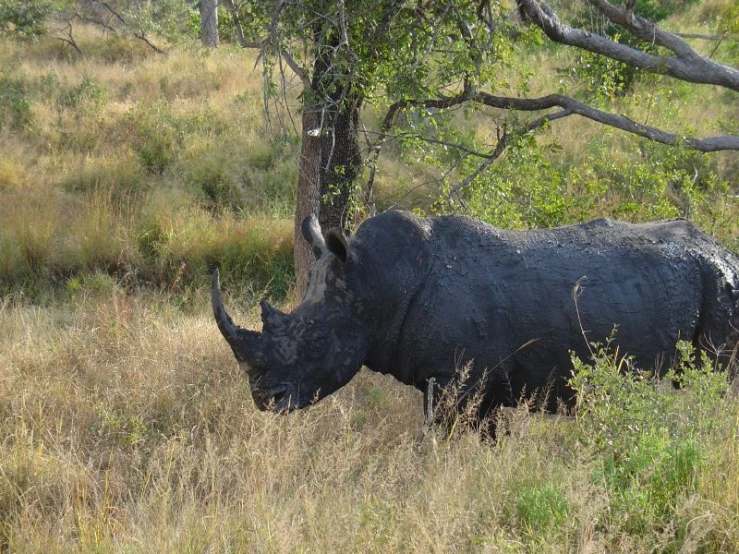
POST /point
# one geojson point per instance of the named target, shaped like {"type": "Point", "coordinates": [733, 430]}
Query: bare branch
{"type": "Point", "coordinates": [70, 38]}
{"type": "Point", "coordinates": [114, 13]}
{"type": "Point", "coordinates": [710, 144]}
{"type": "Point", "coordinates": [97, 22]}
{"type": "Point", "coordinates": [643, 29]}
{"type": "Point", "coordinates": [389, 120]}
{"type": "Point", "coordinates": [569, 106]}
{"type": "Point", "coordinates": [295, 66]}
{"type": "Point", "coordinates": [715, 38]}
{"type": "Point", "coordinates": [686, 65]}
{"type": "Point", "coordinates": [142, 37]}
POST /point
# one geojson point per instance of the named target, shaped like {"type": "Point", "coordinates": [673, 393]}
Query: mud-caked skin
{"type": "Point", "coordinates": [422, 298]}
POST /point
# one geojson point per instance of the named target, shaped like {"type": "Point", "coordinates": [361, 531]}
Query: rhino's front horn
{"type": "Point", "coordinates": [244, 343]}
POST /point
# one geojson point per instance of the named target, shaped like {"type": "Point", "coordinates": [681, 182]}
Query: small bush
{"type": "Point", "coordinates": [160, 137]}
{"type": "Point", "coordinates": [541, 507]}
{"type": "Point", "coordinates": [648, 435]}
{"type": "Point", "coordinates": [87, 92]}
{"type": "Point", "coordinates": [24, 19]}
{"type": "Point", "coordinates": [15, 109]}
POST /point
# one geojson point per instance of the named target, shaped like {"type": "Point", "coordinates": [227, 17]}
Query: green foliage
{"type": "Point", "coordinates": [88, 92]}
{"type": "Point", "coordinates": [15, 110]}
{"type": "Point", "coordinates": [603, 77]}
{"type": "Point", "coordinates": [26, 19]}
{"type": "Point", "coordinates": [729, 19]}
{"type": "Point", "coordinates": [266, 268]}
{"type": "Point", "coordinates": [160, 136]}
{"type": "Point", "coordinates": [541, 507]}
{"type": "Point", "coordinates": [169, 19]}
{"type": "Point", "coordinates": [534, 188]}
{"type": "Point", "coordinates": [648, 435]}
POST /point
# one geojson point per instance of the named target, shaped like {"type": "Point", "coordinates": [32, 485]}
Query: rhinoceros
{"type": "Point", "coordinates": [421, 298]}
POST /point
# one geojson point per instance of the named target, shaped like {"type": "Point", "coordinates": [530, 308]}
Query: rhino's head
{"type": "Point", "coordinates": [301, 357]}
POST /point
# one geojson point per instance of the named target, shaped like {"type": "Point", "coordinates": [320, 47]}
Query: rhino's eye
{"type": "Point", "coordinates": [315, 342]}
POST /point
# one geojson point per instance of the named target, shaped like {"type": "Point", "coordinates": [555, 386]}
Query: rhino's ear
{"type": "Point", "coordinates": [336, 244]}
{"type": "Point", "coordinates": [312, 234]}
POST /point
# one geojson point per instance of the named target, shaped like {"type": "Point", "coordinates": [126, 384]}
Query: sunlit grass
{"type": "Point", "coordinates": [125, 424]}
{"type": "Point", "coordinates": [128, 425]}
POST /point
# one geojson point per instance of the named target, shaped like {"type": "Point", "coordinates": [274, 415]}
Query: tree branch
{"type": "Point", "coordinates": [503, 143]}
{"type": "Point", "coordinates": [710, 144]}
{"type": "Point", "coordinates": [70, 40]}
{"type": "Point", "coordinates": [297, 68]}
{"type": "Point", "coordinates": [142, 37]}
{"type": "Point", "coordinates": [569, 106]}
{"type": "Point", "coordinates": [388, 121]}
{"type": "Point", "coordinates": [115, 14]}
{"type": "Point", "coordinates": [702, 37]}
{"type": "Point", "coordinates": [238, 29]}
{"type": "Point", "coordinates": [686, 65]}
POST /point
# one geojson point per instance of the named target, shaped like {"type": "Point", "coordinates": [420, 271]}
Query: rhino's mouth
{"type": "Point", "coordinates": [277, 399]}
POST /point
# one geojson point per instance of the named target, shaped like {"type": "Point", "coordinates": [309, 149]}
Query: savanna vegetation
{"type": "Point", "coordinates": [132, 162]}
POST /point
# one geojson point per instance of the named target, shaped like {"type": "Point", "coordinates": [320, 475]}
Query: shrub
{"type": "Point", "coordinates": [541, 507]}
{"type": "Point", "coordinates": [648, 435]}
{"type": "Point", "coordinates": [24, 19]}
{"type": "Point", "coordinates": [160, 137]}
{"type": "Point", "coordinates": [87, 92]}
{"type": "Point", "coordinates": [15, 110]}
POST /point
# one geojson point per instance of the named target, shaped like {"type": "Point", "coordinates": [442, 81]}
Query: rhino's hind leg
{"type": "Point", "coordinates": [718, 330]}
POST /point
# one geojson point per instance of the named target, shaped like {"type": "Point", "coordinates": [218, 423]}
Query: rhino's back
{"type": "Point", "coordinates": [521, 301]}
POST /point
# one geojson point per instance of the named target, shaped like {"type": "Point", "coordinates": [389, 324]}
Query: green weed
{"type": "Point", "coordinates": [15, 109]}
{"type": "Point", "coordinates": [651, 439]}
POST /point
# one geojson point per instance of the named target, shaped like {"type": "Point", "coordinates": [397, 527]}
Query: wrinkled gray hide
{"type": "Point", "coordinates": [419, 298]}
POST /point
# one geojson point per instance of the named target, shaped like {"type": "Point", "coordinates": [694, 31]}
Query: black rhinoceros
{"type": "Point", "coordinates": [420, 298]}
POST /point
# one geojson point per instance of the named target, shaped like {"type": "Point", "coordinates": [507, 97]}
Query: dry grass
{"type": "Point", "coordinates": [126, 426]}
{"type": "Point", "coordinates": [143, 168]}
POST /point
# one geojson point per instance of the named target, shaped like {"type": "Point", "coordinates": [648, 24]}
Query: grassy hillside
{"type": "Point", "coordinates": [125, 425]}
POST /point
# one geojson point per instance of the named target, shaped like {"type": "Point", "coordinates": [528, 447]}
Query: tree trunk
{"type": "Point", "coordinates": [308, 195]}
{"type": "Point", "coordinates": [209, 23]}
{"type": "Point", "coordinates": [330, 158]}
{"type": "Point", "coordinates": [330, 162]}
{"type": "Point", "coordinates": [341, 162]}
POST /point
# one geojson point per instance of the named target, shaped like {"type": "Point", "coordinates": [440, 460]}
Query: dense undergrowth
{"type": "Point", "coordinates": [125, 425]}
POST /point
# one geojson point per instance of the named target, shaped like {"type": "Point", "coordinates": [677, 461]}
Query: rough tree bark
{"type": "Point", "coordinates": [330, 157]}
{"type": "Point", "coordinates": [308, 194]}
{"type": "Point", "coordinates": [341, 163]}
{"type": "Point", "coordinates": [209, 23]}
{"type": "Point", "coordinates": [330, 162]}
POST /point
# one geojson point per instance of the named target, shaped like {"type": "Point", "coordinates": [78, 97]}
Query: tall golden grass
{"type": "Point", "coordinates": [125, 425]}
